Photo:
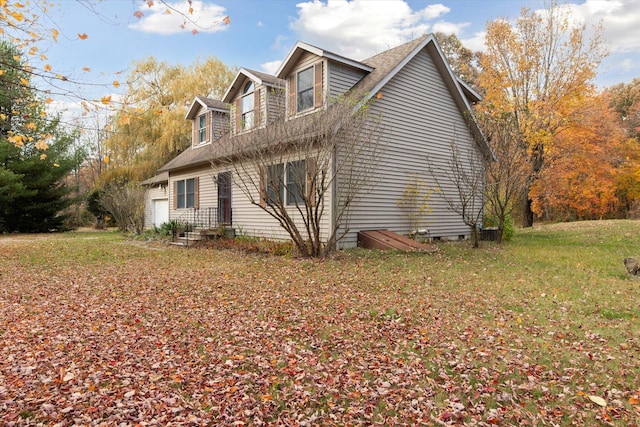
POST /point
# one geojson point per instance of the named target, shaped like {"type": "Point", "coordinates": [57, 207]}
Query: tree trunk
{"type": "Point", "coordinates": [527, 212]}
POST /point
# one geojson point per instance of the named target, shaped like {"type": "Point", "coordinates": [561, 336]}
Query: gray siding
{"type": "Point", "coordinates": [420, 121]}
{"type": "Point", "coordinates": [341, 78]}
{"type": "Point", "coordinates": [274, 104]}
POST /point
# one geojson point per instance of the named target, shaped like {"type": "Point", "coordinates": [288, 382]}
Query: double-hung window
{"type": "Point", "coordinates": [286, 184]}
{"type": "Point", "coordinates": [186, 193]}
{"type": "Point", "coordinates": [247, 106]}
{"type": "Point", "coordinates": [275, 184]}
{"type": "Point", "coordinates": [296, 182]}
{"type": "Point", "coordinates": [202, 129]}
{"type": "Point", "coordinates": [304, 90]}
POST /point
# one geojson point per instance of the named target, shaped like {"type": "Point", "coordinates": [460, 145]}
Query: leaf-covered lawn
{"type": "Point", "coordinates": [97, 330]}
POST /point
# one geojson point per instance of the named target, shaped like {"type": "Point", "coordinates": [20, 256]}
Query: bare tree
{"type": "Point", "coordinates": [307, 172]}
{"type": "Point", "coordinates": [414, 203]}
{"type": "Point", "coordinates": [507, 176]}
{"type": "Point", "coordinates": [461, 184]}
{"type": "Point", "coordinates": [125, 202]}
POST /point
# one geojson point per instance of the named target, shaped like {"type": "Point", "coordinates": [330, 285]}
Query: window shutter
{"type": "Point", "coordinates": [317, 85]}
{"type": "Point", "coordinates": [292, 95]}
{"type": "Point", "coordinates": [238, 126]}
{"type": "Point", "coordinates": [196, 191]}
{"type": "Point", "coordinates": [175, 194]}
{"type": "Point", "coordinates": [256, 108]}
{"type": "Point", "coordinates": [311, 181]}
{"type": "Point", "coordinates": [263, 186]}
{"type": "Point", "coordinates": [209, 123]}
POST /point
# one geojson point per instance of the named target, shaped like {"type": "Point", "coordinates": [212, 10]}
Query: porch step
{"type": "Point", "coordinates": [385, 240]}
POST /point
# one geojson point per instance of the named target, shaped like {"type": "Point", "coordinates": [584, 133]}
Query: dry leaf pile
{"type": "Point", "coordinates": [98, 332]}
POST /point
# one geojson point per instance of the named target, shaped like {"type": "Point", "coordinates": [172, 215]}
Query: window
{"type": "Point", "coordinates": [304, 90]}
{"type": "Point", "coordinates": [186, 193]}
{"type": "Point", "coordinates": [296, 182]}
{"type": "Point", "coordinates": [202, 129]}
{"type": "Point", "coordinates": [274, 184]}
{"type": "Point", "coordinates": [292, 178]}
{"type": "Point", "coordinates": [247, 106]}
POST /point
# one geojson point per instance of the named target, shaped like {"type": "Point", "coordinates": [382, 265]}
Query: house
{"type": "Point", "coordinates": [420, 105]}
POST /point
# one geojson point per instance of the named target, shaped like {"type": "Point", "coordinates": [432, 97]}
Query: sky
{"type": "Point", "coordinates": [260, 33]}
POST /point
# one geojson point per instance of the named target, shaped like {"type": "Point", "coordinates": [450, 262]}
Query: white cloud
{"type": "Point", "coordinates": [361, 28]}
{"type": "Point", "coordinates": [628, 64]}
{"type": "Point", "coordinates": [475, 43]}
{"type": "Point", "coordinates": [271, 67]}
{"type": "Point", "coordinates": [434, 11]}
{"type": "Point", "coordinates": [619, 20]}
{"type": "Point", "coordinates": [203, 18]}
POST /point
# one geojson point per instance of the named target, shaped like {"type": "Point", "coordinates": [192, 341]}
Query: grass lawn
{"type": "Point", "coordinates": [99, 330]}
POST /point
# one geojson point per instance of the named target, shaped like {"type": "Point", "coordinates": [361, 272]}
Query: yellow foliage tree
{"type": "Point", "coordinates": [534, 71]}
{"type": "Point", "coordinates": [149, 128]}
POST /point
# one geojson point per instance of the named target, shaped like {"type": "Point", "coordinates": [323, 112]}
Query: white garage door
{"type": "Point", "coordinates": [160, 212]}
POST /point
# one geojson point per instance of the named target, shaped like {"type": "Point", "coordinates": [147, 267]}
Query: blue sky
{"type": "Point", "coordinates": [261, 32]}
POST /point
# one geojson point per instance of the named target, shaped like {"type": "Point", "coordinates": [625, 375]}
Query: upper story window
{"type": "Point", "coordinates": [304, 90]}
{"type": "Point", "coordinates": [247, 106]}
{"type": "Point", "coordinates": [202, 129]}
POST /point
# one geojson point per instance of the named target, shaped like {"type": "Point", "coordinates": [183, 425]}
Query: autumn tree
{"type": "Point", "coordinates": [507, 173]}
{"type": "Point", "coordinates": [414, 203]}
{"type": "Point", "coordinates": [150, 128]}
{"type": "Point", "coordinates": [464, 62]}
{"type": "Point", "coordinates": [533, 71]}
{"type": "Point", "coordinates": [304, 170]}
{"type": "Point", "coordinates": [577, 180]}
{"type": "Point", "coordinates": [625, 99]}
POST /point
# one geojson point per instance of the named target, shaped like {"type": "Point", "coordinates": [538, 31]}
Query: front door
{"type": "Point", "coordinates": [224, 198]}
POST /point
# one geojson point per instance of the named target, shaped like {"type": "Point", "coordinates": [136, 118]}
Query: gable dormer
{"type": "Point", "coordinates": [209, 120]}
{"type": "Point", "coordinates": [256, 100]}
{"type": "Point", "coordinates": [315, 76]}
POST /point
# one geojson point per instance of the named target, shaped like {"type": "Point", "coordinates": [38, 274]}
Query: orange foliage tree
{"type": "Point", "coordinates": [586, 165]}
{"type": "Point", "coordinates": [533, 71]}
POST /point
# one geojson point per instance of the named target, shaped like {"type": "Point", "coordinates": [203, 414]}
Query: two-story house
{"type": "Point", "coordinates": [422, 108]}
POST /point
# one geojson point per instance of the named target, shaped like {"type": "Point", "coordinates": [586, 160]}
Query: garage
{"type": "Point", "coordinates": [160, 212]}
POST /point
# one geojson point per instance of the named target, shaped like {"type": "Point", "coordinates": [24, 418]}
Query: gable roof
{"type": "Point", "coordinates": [208, 103]}
{"type": "Point", "coordinates": [381, 68]}
{"type": "Point", "coordinates": [258, 77]}
{"type": "Point", "coordinates": [388, 63]}
{"type": "Point", "coordinates": [161, 178]}
{"type": "Point", "coordinates": [300, 48]}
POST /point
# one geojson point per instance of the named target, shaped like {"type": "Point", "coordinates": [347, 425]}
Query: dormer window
{"type": "Point", "coordinates": [202, 129]}
{"type": "Point", "coordinates": [247, 105]}
{"type": "Point", "coordinates": [304, 88]}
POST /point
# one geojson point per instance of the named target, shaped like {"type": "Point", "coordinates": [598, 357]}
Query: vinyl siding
{"type": "Point", "coordinates": [420, 120]}
{"type": "Point", "coordinates": [251, 220]}
{"type": "Point", "coordinates": [274, 100]}
{"type": "Point", "coordinates": [341, 78]}
{"type": "Point", "coordinates": [247, 219]}
{"type": "Point", "coordinates": [207, 196]}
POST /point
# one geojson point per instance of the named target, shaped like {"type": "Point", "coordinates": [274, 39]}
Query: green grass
{"type": "Point", "coordinates": [523, 332]}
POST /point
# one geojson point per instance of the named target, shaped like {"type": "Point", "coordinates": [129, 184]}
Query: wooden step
{"type": "Point", "coordinates": [386, 240]}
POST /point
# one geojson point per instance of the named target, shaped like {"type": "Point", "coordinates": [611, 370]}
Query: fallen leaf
{"type": "Point", "coordinates": [598, 400]}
